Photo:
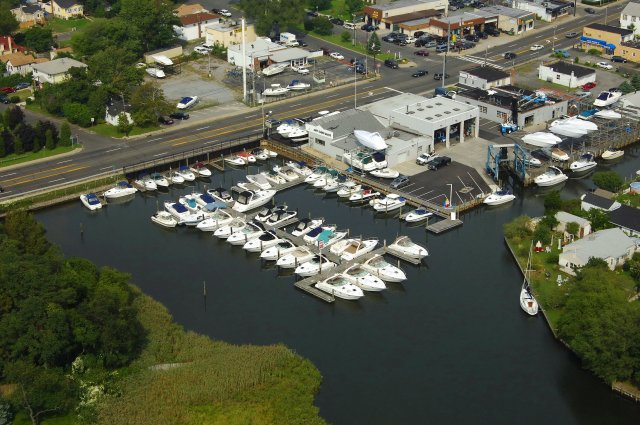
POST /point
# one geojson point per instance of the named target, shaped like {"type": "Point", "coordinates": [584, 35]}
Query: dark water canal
{"type": "Point", "coordinates": [448, 346]}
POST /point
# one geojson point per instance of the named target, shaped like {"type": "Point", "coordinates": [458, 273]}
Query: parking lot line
{"type": "Point", "coordinates": [391, 89]}
{"type": "Point", "coordinates": [424, 194]}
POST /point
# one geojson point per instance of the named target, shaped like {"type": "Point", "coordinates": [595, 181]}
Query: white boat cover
{"type": "Point", "coordinates": [541, 139]}
{"type": "Point", "coordinates": [370, 140]}
{"type": "Point", "coordinates": [608, 114]}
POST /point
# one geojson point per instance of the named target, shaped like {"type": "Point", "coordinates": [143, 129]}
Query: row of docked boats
{"type": "Point", "coordinates": [245, 158]}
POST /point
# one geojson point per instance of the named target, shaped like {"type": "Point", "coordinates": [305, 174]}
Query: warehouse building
{"type": "Point", "coordinates": [484, 77]}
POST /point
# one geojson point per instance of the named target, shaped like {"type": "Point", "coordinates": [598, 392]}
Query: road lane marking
{"type": "Point", "coordinates": [43, 171]}
{"type": "Point", "coordinates": [5, 192]}
{"type": "Point", "coordinates": [56, 180]}
{"type": "Point", "coordinates": [65, 161]}
{"type": "Point", "coordinates": [209, 142]}
{"type": "Point", "coordinates": [109, 167]}
{"type": "Point", "coordinates": [7, 175]}
{"type": "Point", "coordinates": [397, 91]}
{"type": "Point", "coordinates": [160, 154]}
{"type": "Point", "coordinates": [202, 128]}
{"type": "Point", "coordinates": [45, 177]}
{"type": "Point", "coordinates": [112, 150]}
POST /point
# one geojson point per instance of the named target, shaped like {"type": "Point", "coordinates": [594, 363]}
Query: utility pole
{"type": "Point", "coordinates": [353, 21]}
{"type": "Point", "coordinates": [444, 60]}
{"type": "Point", "coordinates": [244, 66]}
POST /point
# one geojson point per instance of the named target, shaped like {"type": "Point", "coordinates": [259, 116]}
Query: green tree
{"type": "Point", "coordinates": [320, 4]}
{"type": "Point", "coordinates": [284, 13]}
{"type": "Point", "coordinates": [49, 142]}
{"type": "Point", "coordinates": [65, 134]}
{"type": "Point", "coordinates": [36, 145]}
{"type": "Point", "coordinates": [345, 36]}
{"type": "Point", "coordinates": [114, 68]}
{"type": "Point", "coordinates": [373, 45]}
{"type": "Point", "coordinates": [143, 118]}
{"type": "Point", "coordinates": [322, 26]}
{"type": "Point", "coordinates": [608, 180]}
{"type": "Point", "coordinates": [519, 228]}
{"type": "Point", "coordinates": [153, 18]}
{"type": "Point", "coordinates": [572, 228]}
{"type": "Point", "coordinates": [18, 146]}
{"type": "Point", "coordinates": [8, 22]}
{"type": "Point", "coordinates": [149, 98]}
{"type": "Point", "coordinates": [13, 117]}
{"type": "Point", "coordinates": [542, 233]}
{"type": "Point", "coordinates": [549, 221]}
{"type": "Point", "coordinates": [103, 33]}
{"type": "Point", "coordinates": [38, 39]}
{"type": "Point", "coordinates": [635, 81]}
{"type": "Point", "coordinates": [552, 202]}
{"type": "Point", "coordinates": [3, 68]}
{"type": "Point", "coordinates": [598, 218]}
{"type": "Point", "coordinates": [354, 6]}
{"type": "Point", "coordinates": [77, 113]}
{"type": "Point", "coordinates": [124, 126]}
{"type": "Point", "coordinates": [626, 87]}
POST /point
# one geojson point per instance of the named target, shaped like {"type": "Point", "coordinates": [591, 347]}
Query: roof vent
{"type": "Point", "coordinates": [411, 112]}
{"type": "Point", "coordinates": [438, 115]}
{"type": "Point", "coordinates": [456, 109]}
{"type": "Point", "coordinates": [428, 118]}
{"type": "Point", "coordinates": [447, 112]}
{"type": "Point", "coordinates": [429, 106]}
{"type": "Point", "coordinates": [438, 103]}
{"type": "Point", "coordinates": [420, 109]}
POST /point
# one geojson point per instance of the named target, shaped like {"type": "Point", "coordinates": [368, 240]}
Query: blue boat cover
{"type": "Point", "coordinates": [215, 205]}
{"type": "Point", "coordinates": [208, 199]}
{"type": "Point", "coordinates": [124, 184]}
{"type": "Point", "coordinates": [325, 236]}
{"type": "Point", "coordinates": [191, 202]}
{"type": "Point", "coordinates": [315, 232]}
{"type": "Point", "coordinates": [92, 199]}
{"type": "Point", "coordinates": [402, 199]}
{"type": "Point", "coordinates": [184, 168]}
{"type": "Point", "coordinates": [420, 211]}
{"type": "Point", "coordinates": [179, 208]}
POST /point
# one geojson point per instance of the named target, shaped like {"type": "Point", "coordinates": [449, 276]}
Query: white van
{"type": "Point", "coordinates": [349, 25]}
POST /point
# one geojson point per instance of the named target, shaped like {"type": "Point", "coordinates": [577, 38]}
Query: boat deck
{"type": "Point", "coordinates": [401, 256]}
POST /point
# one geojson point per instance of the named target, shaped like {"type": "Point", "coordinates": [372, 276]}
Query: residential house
{"type": "Point", "coordinates": [627, 219]}
{"type": "Point", "coordinates": [189, 9]}
{"type": "Point", "coordinates": [9, 46]}
{"type": "Point", "coordinates": [565, 218]}
{"type": "Point", "coordinates": [113, 111]}
{"type": "Point", "coordinates": [66, 9]}
{"type": "Point", "coordinates": [192, 27]}
{"type": "Point", "coordinates": [19, 63]}
{"type": "Point", "coordinates": [55, 71]}
{"type": "Point", "coordinates": [605, 38]}
{"type": "Point", "coordinates": [227, 33]}
{"type": "Point", "coordinates": [257, 53]}
{"type": "Point", "coordinates": [630, 17]}
{"type": "Point", "coordinates": [484, 77]}
{"type": "Point", "coordinates": [592, 200]}
{"type": "Point", "coordinates": [29, 15]}
{"type": "Point", "coordinates": [610, 245]}
{"type": "Point", "coordinates": [566, 74]}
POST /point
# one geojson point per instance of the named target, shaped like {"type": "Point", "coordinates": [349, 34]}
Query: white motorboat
{"type": "Point", "coordinates": [165, 219]}
{"type": "Point", "coordinates": [189, 201]}
{"type": "Point", "coordinates": [532, 161]}
{"type": "Point", "coordinates": [527, 301]}
{"type": "Point", "coordinates": [363, 279]}
{"type": "Point", "coordinates": [297, 85]}
{"type": "Point", "coordinates": [305, 225]}
{"type": "Point", "coordinates": [236, 160]}
{"type": "Point", "coordinates": [287, 173]}
{"type": "Point", "coordinates": [348, 188]}
{"type": "Point", "coordinates": [146, 182]}
{"type": "Point", "coordinates": [272, 253]}
{"type": "Point", "coordinates": [379, 160]}
{"type": "Point", "coordinates": [559, 155]}
{"type": "Point", "coordinates": [275, 90]}
{"type": "Point", "coordinates": [155, 72]}
{"type": "Point", "coordinates": [204, 199]}
{"type": "Point", "coordinates": [186, 173]}
{"type": "Point", "coordinates": [274, 69]}
{"type": "Point", "coordinates": [223, 232]}
{"type": "Point", "coordinates": [120, 190]}
{"type": "Point", "coordinates": [220, 194]}
{"type": "Point", "coordinates": [348, 249]}
{"type": "Point", "coordinates": [175, 177]}
{"type": "Point", "coordinates": [316, 174]}
{"type": "Point", "coordinates": [417, 215]}
{"type": "Point", "coordinates": [248, 157]}
{"type": "Point", "coordinates": [265, 240]}
{"type": "Point", "coordinates": [215, 220]}
{"type": "Point", "coordinates": [250, 199]}
{"type": "Point", "coordinates": [551, 177]}
{"type": "Point", "coordinates": [264, 214]}
{"type": "Point", "coordinates": [248, 232]}
{"type": "Point", "coordinates": [612, 153]}
{"type": "Point", "coordinates": [370, 140]}
{"type": "Point", "coordinates": [200, 169]}
{"type": "Point", "coordinates": [311, 235]}
{"type": "Point", "coordinates": [575, 122]}
{"type": "Point", "coordinates": [326, 237]}
{"type": "Point", "coordinates": [377, 266]}
{"type": "Point", "coordinates": [364, 195]}
{"type": "Point", "coordinates": [272, 154]}
{"type": "Point", "coordinates": [360, 160]}
{"type": "Point", "coordinates": [385, 173]}
{"type": "Point", "coordinates": [293, 259]}
{"type": "Point", "coordinates": [404, 246]}
{"type": "Point", "coordinates": [568, 130]}
{"type": "Point", "coordinates": [260, 154]}
{"type": "Point", "coordinates": [541, 139]}
{"type": "Point", "coordinates": [259, 180]}
{"type": "Point", "coordinates": [391, 202]}
{"type": "Point", "coordinates": [297, 133]}
{"type": "Point", "coordinates": [499, 197]}
{"type": "Point", "coordinates": [279, 217]}
{"type": "Point", "coordinates": [318, 264]}
{"type": "Point", "coordinates": [91, 201]}
{"type": "Point", "coordinates": [326, 177]}
{"type": "Point", "coordinates": [159, 180]}
{"type": "Point", "coordinates": [273, 178]}
{"type": "Point", "coordinates": [286, 126]}
{"type": "Point", "coordinates": [179, 211]}
{"type": "Point", "coordinates": [607, 98]}
{"type": "Point", "coordinates": [608, 114]}
{"type": "Point", "coordinates": [584, 163]}
{"type": "Point", "coordinates": [341, 287]}
{"type": "Point", "coordinates": [299, 167]}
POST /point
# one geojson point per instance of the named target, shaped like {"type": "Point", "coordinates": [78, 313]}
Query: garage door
{"type": "Point", "coordinates": [402, 157]}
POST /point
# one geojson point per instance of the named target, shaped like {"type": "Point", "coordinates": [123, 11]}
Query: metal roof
{"type": "Point", "coordinates": [289, 54]}
{"type": "Point", "coordinates": [344, 123]}
{"type": "Point", "coordinates": [58, 66]}
{"type": "Point", "coordinates": [608, 243]}
{"type": "Point", "coordinates": [632, 9]}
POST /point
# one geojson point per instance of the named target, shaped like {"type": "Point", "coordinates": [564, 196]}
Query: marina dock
{"type": "Point", "coordinates": [443, 225]}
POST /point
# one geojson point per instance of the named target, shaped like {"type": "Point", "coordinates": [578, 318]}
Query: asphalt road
{"type": "Point", "coordinates": [100, 155]}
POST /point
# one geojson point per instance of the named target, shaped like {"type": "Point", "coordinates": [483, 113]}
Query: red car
{"type": "Point", "coordinates": [421, 53]}
{"type": "Point", "coordinates": [7, 89]}
{"type": "Point", "coordinates": [589, 86]}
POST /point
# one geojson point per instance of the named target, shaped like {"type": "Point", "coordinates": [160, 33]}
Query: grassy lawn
{"type": "Point", "coordinates": [23, 419]}
{"type": "Point", "coordinates": [633, 200]}
{"type": "Point", "coordinates": [111, 131]}
{"type": "Point", "coordinates": [30, 156]}
{"type": "Point", "coordinates": [66, 25]}
{"type": "Point", "coordinates": [360, 46]}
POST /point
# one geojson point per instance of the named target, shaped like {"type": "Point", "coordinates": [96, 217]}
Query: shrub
{"type": "Point", "coordinates": [14, 99]}
{"type": "Point", "coordinates": [552, 258]}
{"type": "Point", "coordinates": [77, 113]}
{"type": "Point", "coordinates": [608, 180]}
{"type": "Point", "coordinates": [345, 36]}
{"type": "Point", "coordinates": [594, 52]}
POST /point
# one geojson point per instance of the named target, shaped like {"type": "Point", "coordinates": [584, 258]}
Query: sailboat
{"type": "Point", "coordinates": [527, 301]}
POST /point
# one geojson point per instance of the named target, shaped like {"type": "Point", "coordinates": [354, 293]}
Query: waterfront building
{"type": "Point", "coordinates": [591, 200]}
{"type": "Point", "coordinates": [565, 218]}
{"type": "Point", "coordinates": [566, 74]}
{"type": "Point", "coordinates": [610, 245]}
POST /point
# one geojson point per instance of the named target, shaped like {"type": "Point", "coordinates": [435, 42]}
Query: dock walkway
{"type": "Point", "coordinates": [443, 225]}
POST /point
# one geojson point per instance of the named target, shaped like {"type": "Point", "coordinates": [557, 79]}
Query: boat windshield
{"type": "Point", "coordinates": [604, 95]}
{"type": "Point", "coordinates": [405, 242]}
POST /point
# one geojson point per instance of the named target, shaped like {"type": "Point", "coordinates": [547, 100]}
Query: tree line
{"type": "Point", "coordinates": [18, 136]}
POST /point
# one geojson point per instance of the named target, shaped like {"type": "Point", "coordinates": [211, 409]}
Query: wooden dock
{"type": "Point", "coordinates": [443, 225]}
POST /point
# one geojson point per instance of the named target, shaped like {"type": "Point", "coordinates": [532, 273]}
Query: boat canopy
{"type": "Point", "coordinates": [325, 235]}
{"type": "Point", "coordinates": [315, 232]}
{"type": "Point", "coordinates": [124, 184]}
{"type": "Point", "coordinates": [179, 208]}
{"type": "Point", "coordinates": [211, 206]}
{"type": "Point", "coordinates": [208, 199]}
{"type": "Point", "coordinates": [370, 140]}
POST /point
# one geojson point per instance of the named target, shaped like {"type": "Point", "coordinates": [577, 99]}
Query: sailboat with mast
{"type": "Point", "coordinates": [527, 300]}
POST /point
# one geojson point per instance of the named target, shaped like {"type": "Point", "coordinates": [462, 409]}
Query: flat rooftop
{"type": "Point", "coordinates": [434, 109]}
{"type": "Point", "coordinates": [502, 96]}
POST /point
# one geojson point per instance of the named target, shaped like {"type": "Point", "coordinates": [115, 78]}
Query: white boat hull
{"type": "Point", "coordinates": [164, 219]}
{"type": "Point", "coordinates": [385, 173]}
{"type": "Point", "coordinates": [498, 199]}
{"type": "Point", "coordinates": [528, 303]}
{"type": "Point", "coordinates": [610, 155]}
{"type": "Point", "coordinates": [255, 203]}
{"type": "Point", "coordinates": [413, 250]}
{"type": "Point", "coordinates": [347, 291]}
{"type": "Point", "coordinates": [366, 282]}
{"type": "Point", "coordinates": [116, 192]}
{"type": "Point", "coordinates": [255, 245]}
{"type": "Point", "coordinates": [418, 215]}
{"type": "Point", "coordinates": [274, 252]}
{"type": "Point", "coordinates": [89, 206]}
{"type": "Point", "coordinates": [311, 269]}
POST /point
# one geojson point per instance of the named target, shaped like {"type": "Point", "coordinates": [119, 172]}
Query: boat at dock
{"type": "Point", "coordinates": [250, 231]}
{"type": "Point", "coordinates": [316, 174]}
{"type": "Point", "coordinates": [299, 167]}
{"type": "Point", "coordinates": [612, 153]}
{"type": "Point", "coordinates": [385, 173]}
{"type": "Point", "coordinates": [236, 160]}
{"type": "Point", "coordinates": [584, 163]}
{"type": "Point", "coordinates": [280, 217]}
{"type": "Point", "coordinates": [120, 190]}
{"type": "Point", "coordinates": [334, 183]}
{"type": "Point", "coordinates": [164, 219]}
{"type": "Point", "coordinates": [378, 266]}
{"type": "Point", "coordinates": [298, 256]}
{"type": "Point", "coordinates": [223, 232]}
{"type": "Point", "coordinates": [266, 212]}
{"type": "Point", "coordinates": [175, 177]}
{"type": "Point", "coordinates": [91, 201]}
{"type": "Point", "coordinates": [405, 247]}
{"type": "Point", "coordinates": [341, 287]}
{"type": "Point", "coordinates": [499, 197]}
{"type": "Point", "coordinates": [146, 182]}
{"type": "Point", "coordinates": [186, 173]}
{"type": "Point", "coordinates": [528, 303]}
{"type": "Point", "coordinates": [305, 225]}
{"type": "Point", "coordinates": [391, 202]}
{"type": "Point", "coordinates": [364, 195]}
{"type": "Point", "coordinates": [287, 173]}
{"type": "Point", "coordinates": [250, 199]}
{"type": "Point", "coordinates": [179, 211]}
{"type": "Point", "coordinates": [248, 157]}
{"type": "Point", "coordinates": [551, 177]}
{"type": "Point", "coordinates": [318, 264]}
{"type": "Point", "coordinates": [348, 188]}
{"type": "Point", "coordinates": [363, 279]}
{"type": "Point", "coordinates": [274, 252]}
{"type": "Point", "coordinates": [200, 169]}
{"type": "Point", "coordinates": [328, 237]}
{"type": "Point", "coordinates": [259, 181]}
{"type": "Point", "coordinates": [558, 154]}
{"type": "Point", "coordinates": [215, 220]}
{"type": "Point", "coordinates": [160, 180]}
{"type": "Point", "coordinates": [265, 240]}
{"type": "Point", "coordinates": [259, 154]}
{"type": "Point", "coordinates": [221, 194]}
{"type": "Point", "coordinates": [204, 199]}
{"type": "Point", "coordinates": [325, 178]}
{"type": "Point", "coordinates": [273, 178]}
{"type": "Point", "coordinates": [417, 215]}
{"type": "Point", "coordinates": [349, 249]}
{"type": "Point", "coordinates": [190, 202]}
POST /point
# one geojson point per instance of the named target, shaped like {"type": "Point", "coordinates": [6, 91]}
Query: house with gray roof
{"type": "Point", "coordinates": [630, 17]}
{"type": "Point", "coordinates": [610, 245]}
{"type": "Point", "coordinates": [565, 218]}
{"type": "Point", "coordinates": [55, 71]}
{"type": "Point", "coordinates": [591, 200]}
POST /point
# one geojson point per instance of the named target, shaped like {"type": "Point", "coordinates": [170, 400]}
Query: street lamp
{"type": "Point", "coordinates": [353, 20]}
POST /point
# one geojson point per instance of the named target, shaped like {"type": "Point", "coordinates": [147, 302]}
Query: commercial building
{"type": "Point", "coordinates": [55, 71]}
{"type": "Point", "coordinates": [610, 245]}
{"type": "Point", "coordinates": [630, 50]}
{"type": "Point", "coordinates": [513, 104]}
{"type": "Point", "coordinates": [510, 20]}
{"type": "Point", "coordinates": [604, 38]}
{"type": "Point", "coordinates": [460, 25]}
{"type": "Point", "coordinates": [227, 33]}
{"type": "Point", "coordinates": [257, 53]}
{"type": "Point", "coordinates": [546, 10]}
{"type": "Point", "coordinates": [566, 74]}
{"type": "Point", "coordinates": [484, 77]}
{"type": "Point", "coordinates": [192, 27]}
{"type": "Point", "coordinates": [391, 15]}
{"type": "Point", "coordinates": [630, 17]}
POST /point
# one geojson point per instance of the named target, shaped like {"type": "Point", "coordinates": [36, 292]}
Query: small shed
{"type": "Point", "coordinates": [565, 218]}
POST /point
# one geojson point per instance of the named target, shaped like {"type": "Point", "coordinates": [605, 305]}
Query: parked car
{"type": "Point", "coordinates": [424, 158]}
{"type": "Point", "coordinates": [336, 21]}
{"type": "Point", "coordinates": [441, 48]}
{"type": "Point", "coordinates": [225, 13]}
{"type": "Point", "coordinates": [336, 55]}
{"type": "Point", "coordinates": [163, 119]}
{"type": "Point", "coordinates": [418, 34]}
{"type": "Point", "coordinates": [438, 76]}
{"type": "Point", "coordinates": [391, 63]}
{"type": "Point", "coordinates": [510, 55]}
{"type": "Point", "coordinates": [604, 65]}
{"type": "Point", "coordinates": [22, 86]}
{"type": "Point", "coordinates": [4, 99]}
{"type": "Point", "coordinates": [483, 35]}
{"type": "Point", "coordinates": [368, 27]}
{"type": "Point", "coordinates": [421, 53]}
{"type": "Point", "coordinates": [179, 115]}
{"type": "Point", "coordinates": [571, 34]}
{"type": "Point", "coordinates": [590, 10]}
{"type": "Point", "coordinates": [589, 86]}
{"type": "Point", "coordinates": [536, 47]}
{"type": "Point", "coordinates": [618, 59]}
{"type": "Point", "coordinates": [401, 42]}
{"type": "Point", "coordinates": [472, 37]}
{"type": "Point", "coordinates": [410, 40]}
{"type": "Point", "coordinates": [201, 49]}
{"type": "Point", "coordinates": [492, 31]}
{"type": "Point", "coordinates": [7, 89]}
{"type": "Point", "coordinates": [438, 162]}
{"type": "Point", "coordinates": [420, 73]}
{"type": "Point", "coordinates": [399, 181]}
{"type": "Point", "coordinates": [187, 102]}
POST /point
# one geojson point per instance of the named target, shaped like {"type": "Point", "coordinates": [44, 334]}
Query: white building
{"type": "Point", "coordinates": [193, 27]}
{"type": "Point", "coordinates": [55, 71]}
{"type": "Point", "coordinates": [565, 218]}
{"type": "Point", "coordinates": [113, 111]}
{"type": "Point", "coordinates": [547, 10]}
{"type": "Point", "coordinates": [227, 33]}
{"type": "Point", "coordinates": [566, 74]}
{"type": "Point", "coordinates": [510, 20]}
{"type": "Point", "coordinates": [256, 52]}
{"type": "Point", "coordinates": [484, 77]}
{"type": "Point", "coordinates": [630, 17]}
{"type": "Point", "coordinates": [610, 245]}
